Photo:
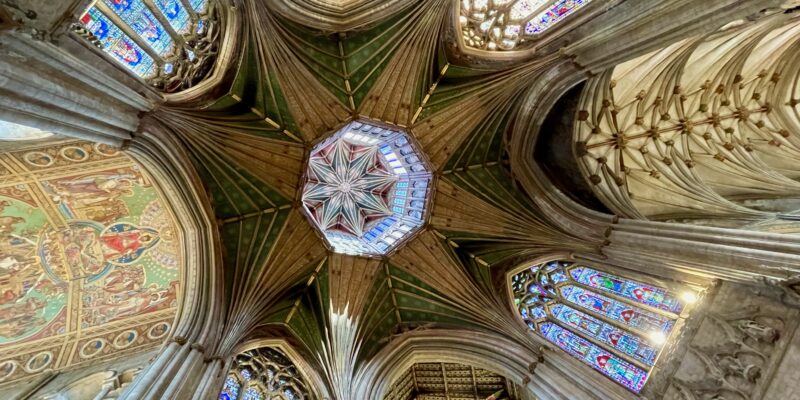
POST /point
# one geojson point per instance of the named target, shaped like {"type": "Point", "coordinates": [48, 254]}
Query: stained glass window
{"type": "Point", "coordinates": [366, 188]}
{"type": "Point", "coordinates": [172, 57]}
{"type": "Point", "coordinates": [230, 391]}
{"type": "Point", "coordinates": [175, 13]}
{"type": "Point", "coordinates": [199, 6]}
{"type": "Point", "coordinates": [614, 324]}
{"type": "Point", "coordinates": [504, 24]}
{"type": "Point", "coordinates": [253, 393]}
{"type": "Point", "coordinates": [118, 44]}
{"type": "Point", "coordinates": [264, 374]}
{"type": "Point", "coordinates": [145, 24]}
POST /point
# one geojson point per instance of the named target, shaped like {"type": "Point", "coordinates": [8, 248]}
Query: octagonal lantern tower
{"type": "Point", "coordinates": [367, 188]}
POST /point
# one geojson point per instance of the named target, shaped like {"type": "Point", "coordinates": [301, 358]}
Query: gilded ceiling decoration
{"type": "Point", "coordinates": [89, 258]}
{"type": "Point", "coordinates": [367, 188]}
{"type": "Point", "coordinates": [440, 381]}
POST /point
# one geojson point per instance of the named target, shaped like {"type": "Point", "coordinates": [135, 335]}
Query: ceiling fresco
{"type": "Point", "coordinates": [89, 258]}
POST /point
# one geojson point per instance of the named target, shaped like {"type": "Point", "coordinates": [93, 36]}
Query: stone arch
{"type": "Point", "coordinates": [541, 377]}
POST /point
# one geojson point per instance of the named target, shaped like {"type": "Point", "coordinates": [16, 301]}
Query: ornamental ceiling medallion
{"type": "Point", "coordinates": [367, 188]}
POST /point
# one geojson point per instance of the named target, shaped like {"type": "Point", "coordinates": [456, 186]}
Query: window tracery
{"type": "Point", "coordinates": [615, 325]}
{"type": "Point", "coordinates": [264, 374]}
{"type": "Point", "coordinates": [171, 44]}
{"type": "Point", "coordinates": [504, 24]}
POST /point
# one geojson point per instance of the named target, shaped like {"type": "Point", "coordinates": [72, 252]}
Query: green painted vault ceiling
{"type": "Point", "coordinates": [291, 85]}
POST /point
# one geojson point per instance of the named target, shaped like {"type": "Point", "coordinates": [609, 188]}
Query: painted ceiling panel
{"type": "Point", "coordinates": [366, 53]}
{"type": "Point", "coordinates": [89, 258]}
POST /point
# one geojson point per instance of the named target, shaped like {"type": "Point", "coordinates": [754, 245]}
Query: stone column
{"type": "Point", "coordinates": [186, 368]}
{"type": "Point", "coordinates": [52, 80]}
{"type": "Point", "coordinates": [716, 253]}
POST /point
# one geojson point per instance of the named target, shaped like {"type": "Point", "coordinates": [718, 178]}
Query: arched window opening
{"type": "Point", "coordinates": [504, 24]}
{"type": "Point", "coordinates": [264, 374]}
{"type": "Point", "coordinates": [616, 325]}
{"type": "Point", "coordinates": [170, 44]}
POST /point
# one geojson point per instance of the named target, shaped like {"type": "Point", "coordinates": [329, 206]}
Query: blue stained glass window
{"type": "Point", "coordinates": [231, 389]}
{"type": "Point", "coordinates": [559, 10]}
{"type": "Point", "coordinates": [199, 6]}
{"type": "Point", "coordinates": [629, 343]}
{"type": "Point", "coordinates": [246, 374]}
{"type": "Point", "coordinates": [568, 305]}
{"type": "Point", "coordinates": [145, 24]}
{"type": "Point", "coordinates": [612, 366]}
{"type": "Point", "coordinates": [503, 25]}
{"type": "Point", "coordinates": [627, 314]}
{"type": "Point", "coordinates": [253, 393]}
{"type": "Point", "coordinates": [118, 44]}
{"type": "Point", "coordinates": [639, 292]}
{"type": "Point", "coordinates": [175, 13]}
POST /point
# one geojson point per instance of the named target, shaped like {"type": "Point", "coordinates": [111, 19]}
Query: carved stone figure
{"type": "Point", "coordinates": [758, 331]}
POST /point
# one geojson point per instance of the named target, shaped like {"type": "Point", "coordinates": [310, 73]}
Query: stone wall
{"type": "Point", "coordinates": [741, 344]}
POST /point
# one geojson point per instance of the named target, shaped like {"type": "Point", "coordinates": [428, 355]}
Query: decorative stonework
{"type": "Point", "coordinates": [735, 352]}
{"type": "Point", "coordinates": [504, 24]}
{"type": "Point", "coordinates": [367, 188]}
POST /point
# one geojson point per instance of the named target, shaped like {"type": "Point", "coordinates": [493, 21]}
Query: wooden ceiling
{"type": "Point", "coordinates": [447, 381]}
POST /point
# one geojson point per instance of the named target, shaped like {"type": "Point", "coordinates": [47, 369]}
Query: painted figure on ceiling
{"type": "Point", "coordinates": [95, 197]}
{"type": "Point", "coordinates": [101, 307]}
{"type": "Point", "coordinates": [20, 318]}
{"type": "Point", "coordinates": [123, 243]}
{"type": "Point", "coordinates": [18, 278]}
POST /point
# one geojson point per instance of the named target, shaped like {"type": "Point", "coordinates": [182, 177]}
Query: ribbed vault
{"type": "Point", "coordinates": [296, 81]}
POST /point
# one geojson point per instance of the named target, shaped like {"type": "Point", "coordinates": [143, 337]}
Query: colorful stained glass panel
{"type": "Point", "coordinates": [231, 389]}
{"type": "Point", "coordinates": [199, 6]}
{"type": "Point", "coordinates": [175, 13]}
{"type": "Point", "coordinates": [612, 366]}
{"type": "Point", "coordinates": [253, 393]}
{"type": "Point", "coordinates": [639, 292]}
{"type": "Point", "coordinates": [604, 332]}
{"type": "Point", "coordinates": [144, 23]}
{"type": "Point", "coordinates": [553, 14]}
{"type": "Point", "coordinates": [119, 45]}
{"type": "Point", "coordinates": [524, 8]}
{"type": "Point", "coordinates": [632, 316]}
{"type": "Point", "coordinates": [366, 188]}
